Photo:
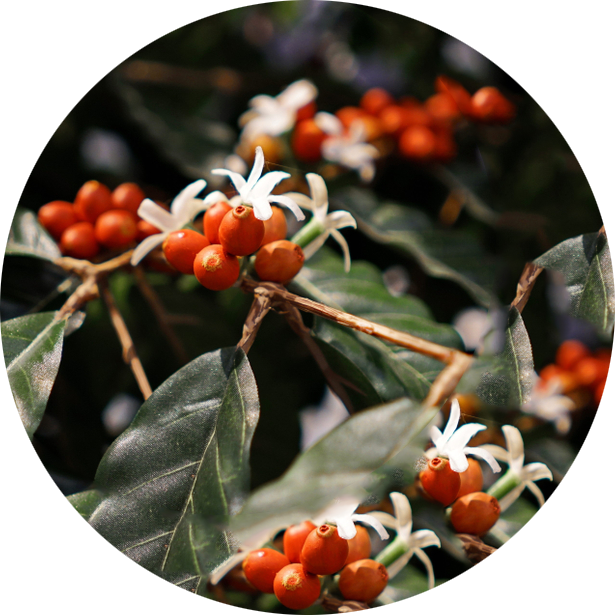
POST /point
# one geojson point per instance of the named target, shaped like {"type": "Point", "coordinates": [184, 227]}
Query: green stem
{"type": "Point", "coordinates": [307, 233]}
{"type": "Point", "coordinates": [504, 485]}
{"type": "Point", "coordinates": [392, 552]}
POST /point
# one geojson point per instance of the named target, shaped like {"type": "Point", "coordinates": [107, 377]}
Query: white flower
{"type": "Point", "coordinates": [184, 208]}
{"type": "Point", "coordinates": [256, 190]}
{"type": "Point", "coordinates": [276, 115]}
{"type": "Point", "coordinates": [514, 457]}
{"type": "Point", "coordinates": [415, 542]}
{"type": "Point", "coordinates": [319, 205]}
{"type": "Point", "coordinates": [341, 513]}
{"type": "Point", "coordinates": [348, 148]}
{"type": "Point", "coordinates": [452, 443]}
{"type": "Point", "coordinates": [547, 402]}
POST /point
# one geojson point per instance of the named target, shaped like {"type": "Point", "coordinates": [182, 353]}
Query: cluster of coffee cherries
{"type": "Point", "coordinates": [579, 372]}
{"type": "Point", "coordinates": [421, 131]}
{"type": "Point", "coordinates": [311, 553]}
{"type": "Point", "coordinates": [230, 233]}
{"type": "Point", "coordinates": [473, 511]}
{"type": "Point", "coordinates": [98, 219]}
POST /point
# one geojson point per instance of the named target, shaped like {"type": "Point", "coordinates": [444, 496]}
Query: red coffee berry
{"type": "Point", "coordinates": [116, 228]}
{"type": "Point", "coordinates": [79, 241]}
{"type": "Point", "coordinates": [418, 143]}
{"type": "Point", "coordinates": [324, 550]}
{"type": "Point", "coordinates": [363, 580]}
{"type": "Point", "coordinates": [442, 108]}
{"type": "Point", "coordinates": [347, 115]}
{"type": "Point", "coordinates": [127, 196]}
{"type": "Point", "coordinates": [56, 217]}
{"type": "Point", "coordinates": [294, 538]}
{"type": "Point", "coordinates": [440, 482]}
{"type": "Point", "coordinates": [306, 141]}
{"type": "Point", "coordinates": [570, 353]}
{"type": "Point", "coordinates": [212, 218]}
{"type": "Point", "coordinates": [181, 247]}
{"type": "Point", "coordinates": [471, 479]}
{"type": "Point", "coordinates": [215, 268]}
{"type": "Point", "coordinates": [475, 513]}
{"type": "Point", "coordinates": [279, 261]}
{"type": "Point", "coordinates": [589, 371]}
{"type": "Point", "coordinates": [375, 100]}
{"type": "Point", "coordinates": [359, 547]}
{"type": "Point", "coordinates": [261, 566]}
{"type": "Point", "coordinates": [306, 112]}
{"type": "Point", "coordinates": [455, 90]}
{"type": "Point", "coordinates": [295, 587]}
{"type": "Point", "coordinates": [490, 106]}
{"type": "Point", "coordinates": [240, 232]}
{"type": "Point", "coordinates": [275, 227]}
{"type": "Point", "coordinates": [92, 200]}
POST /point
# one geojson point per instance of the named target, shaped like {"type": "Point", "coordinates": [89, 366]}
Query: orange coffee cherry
{"type": "Point", "coordinates": [440, 482]}
{"type": "Point", "coordinates": [359, 547]}
{"type": "Point", "coordinates": [598, 391]}
{"type": "Point", "coordinates": [145, 229]}
{"type": "Point", "coordinates": [570, 353]}
{"type": "Point", "coordinates": [79, 241]}
{"type": "Point", "coordinates": [363, 580]}
{"type": "Point", "coordinates": [306, 112]}
{"type": "Point", "coordinates": [279, 261]}
{"type": "Point", "coordinates": [294, 538]}
{"type": "Point", "coordinates": [275, 227]}
{"type": "Point", "coordinates": [589, 371]}
{"type": "Point", "coordinates": [116, 228]}
{"type": "Point", "coordinates": [212, 218]}
{"type": "Point", "coordinates": [181, 247]}
{"type": "Point", "coordinates": [240, 232]}
{"type": "Point", "coordinates": [347, 115]}
{"type": "Point", "coordinates": [375, 100]}
{"type": "Point", "coordinates": [261, 566]}
{"type": "Point", "coordinates": [471, 479]}
{"type": "Point", "coordinates": [324, 550]}
{"type": "Point", "coordinates": [394, 119]}
{"type": "Point", "coordinates": [306, 141]}
{"type": "Point", "coordinates": [462, 98]}
{"type": "Point", "coordinates": [92, 200]}
{"type": "Point", "coordinates": [295, 587]}
{"type": "Point", "coordinates": [418, 143]}
{"type": "Point", "coordinates": [475, 513]}
{"type": "Point", "coordinates": [489, 105]}
{"type": "Point", "coordinates": [446, 148]}
{"type": "Point", "coordinates": [442, 108]}
{"type": "Point", "coordinates": [127, 196]}
{"type": "Point", "coordinates": [272, 147]}
{"type": "Point", "coordinates": [216, 269]}
{"type": "Point", "coordinates": [56, 217]}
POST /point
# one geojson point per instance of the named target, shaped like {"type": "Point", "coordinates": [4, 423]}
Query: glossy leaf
{"type": "Point", "coordinates": [85, 503]}
{"type": "Point", "coordinates": [343, 463]}
{"type": "Point", "coordinates": [585, 263]}
{"type": "Point", "coordinates": [32, 347]}
{"type": "Point", "coordinates": [443, 253]}
{"type": "Point", "coordinates": [175, 476]}
{"type": "Point", "coordinates": [28, 238]}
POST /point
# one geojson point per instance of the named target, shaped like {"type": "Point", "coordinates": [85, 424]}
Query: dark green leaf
{"type": "Point", "coordinates": [585, 262]}
{"type": "Point", "coordinates": [343, 463]}
{"type": "Point", "coordinates": [28, 238]}
{"type": "Point", "coordinates": [32, 347]}
{"type": "Point", "coordinates": [443, 253]}
{"type": "Point", "coordinates": [175, 476]}
{"type": "Point", "coordinates": [85, 503]}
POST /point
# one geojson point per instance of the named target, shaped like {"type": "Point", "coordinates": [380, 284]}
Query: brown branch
{"type": "Point", "coordinates": [258, 310]}
{"type": "Point", "coordinates": [525, 285]}
{"type": "Point", "coordinates": [475, 549]}
{"type": "Point", "coordinates": [334, 605]}
{"type": "Point", "coordinates": [129, 353]}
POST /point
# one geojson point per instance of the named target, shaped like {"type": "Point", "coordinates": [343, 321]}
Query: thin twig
{"type": "Point", "coordinates": [258, 310]}
{"type": "Point", "coordinates": [525, 285]}
{"type": "Point", "coordinates": [129, 353]}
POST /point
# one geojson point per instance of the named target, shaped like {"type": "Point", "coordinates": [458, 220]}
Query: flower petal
{"type": "Point", "coordinates": [345, 527]}
{"type": "Point", "coordinates": [386, 519]}
{"type": "Point", "coordinates": [463, 435]}
{"type": "Point", "coordinates": [511, 497]}
{"type": "Point", "coordinates": [238, 181]}
{"type": "Point", "coordinates": [340, 219]}
{"type": "Point", "coordinates": [301, 199]}
{"type": "Point", "coordinates": [514, 444]}
{"type": "Point", "coordinates": [535, 471]}
{"type": "Point", "coordinates": [344, 245]}
{"type": "Point", "coordinates": [284, 199]}
{"type": "Point", "coordinates": [262, 209]}
{"type": "Point", "coordinates": [315, 245]}
{"type": "Point", "coordinates": [298, 94]}
{"type": "Point", "coordinates": [263, 187]}
{"type": "Point", "coordinates": [421, 539]}
{"type": "Point", "coordinates": [328, 123]}
{"type": "Point", "coordinates": [191, 210]}
{"type": "Point", "coordinates": [431, 580]}
{"type": "Point", "coordinates": [320, 195]}
{"type": "Point", "coordinates": [457, 460]}
{"type": "Point", "coordinates": [158, 216]}
{"type": "Point", "coordinates": [500, 453]}
{"type": "Point", "coordinates": [537, 493]}
{"type": "Point", "coordinates": [256, 172]}
{"type": "Point", "coordinates": [401, 508]}
{"type": "Point", "coordinates": [478, 451]}
{"type": "Point", "coordinates": [369, 520]}
{"type": "Point", "coordinates": [398, 565]}
{"type": "Point", "coordinates": [215, 197]}
{"type": "Point", "coordinates": [183, 199]}
{"type": "Point", "coordinates": [453, 420]}
{"type": "Point", "coordinates": [146, 246]}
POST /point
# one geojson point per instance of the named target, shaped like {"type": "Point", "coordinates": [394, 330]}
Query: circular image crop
{"type": "Point", "coordinates": [307, 307]}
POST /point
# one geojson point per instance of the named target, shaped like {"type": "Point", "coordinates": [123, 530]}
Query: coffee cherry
{"type": "Point", "coordinates": [295, 587]}
{"type": "Point", "coordinates": [375, 100]}
{"type": "Point", "coordinates": [306, 141]}
{"type": "Point", "coordinates": [279, 261]}
{"type": "Point", "coordinates": [181, 247]}
{"type": "Point", "coordinates": [462, 98]}
{"type": "Point", "coordinates": [79, 241]}
{"type": "Point", "coordinates": [261, 566]}
{"type": "Point", "coordinates": [306, 112]}
{"type": "Point", "coordinates": [363, 580]}
{"type": "Point", "coordinates": [212, 218]}
{"type": "Point", "coordinates": [272, 147]}
{"type": "Point", "coordinates": [589, 371]}
{"type": "Point", "coordinates": [56, 217]}
{"type": "Point", "coordinates": [471, 479]}
{"type": "Point", "coordinates": [598, 391]}
{"type": "Point", "coordinates": [442, 108]}
{"type": "Point", "coordinates": [440, 482]}
{"type": "Point", "coordinates": [570, 353]}
{"type": "Point", "coordinates": [324, 550]}
{"type": "Point", "coordinates": [418, 143]}
{"type": "Point", "coordinates": [92, 200]}
{"type": "Point", "coordinates": [127, 196]}
{"type": "Point", "coordinates": [116, 229]}
{"type": "Point", "coordinates": [359, 547]}
{"type": "Point", "coordinates": [275, 227]}
{"type": "Point", "coordinates": [215, 268]}
{"type": "Point", "coordinates": [475, 513]}
{"type": "Point", "coordinates": [294, 538]}
{"type": "Point", "coordinates": [489, 105]}
{"type": "Point", "coordinates": [240, 232]}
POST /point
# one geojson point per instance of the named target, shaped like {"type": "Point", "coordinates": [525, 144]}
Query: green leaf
{"type": "Point", "coordinates": [85, 503]}
{"type": "Point", "coordinates": [32, 347]}
{"type": "Point", "coordinates": [585, 263]}
{"type": "Point", "coordinates": [343, 463]}
{"type": "Point", "coordinates": [442, 253]}
{"type": "Point", "coordinates": [508, 379]}
{"type": "Point", "coordinates": [172, 480]}
{"type": "Point", "coordinates": [28, 238]}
